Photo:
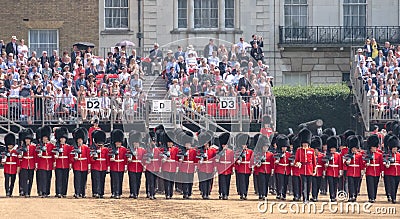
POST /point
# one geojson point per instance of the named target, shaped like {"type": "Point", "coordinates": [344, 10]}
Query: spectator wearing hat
{"type": "Point", "coordinates": [156, 56]}
{"type": "Point", "coordinates": [359, 57]}
{"type": "Point", "coordinates": [12, 47]}
{"type": "Point", "coordinates": [124, 75]}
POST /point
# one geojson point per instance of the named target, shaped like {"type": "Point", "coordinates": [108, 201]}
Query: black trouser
{"type": "Point", "coordinates": [282, 182]}
{"type": "Point", "coordinates": [387, 187]}
{"type": "Point", "coordinates": [353, 183]}
{"type": "Point", "coordinates": [296, 185]}
{"type": "Point", "coordinates": [372, 186]}
{"type": "Point", "coordinates": [316, 185]}
{"type": "Point", "coordinates": [151, 183]}
{"type": "Point", "coordinates": [255, 183]}
{"type": "Point", "coordinates": [160, 185]}
{"type": "Point", "coordinates": [343, 183]}
{"type": "Point", "coordinates": [243, 183]}
{"type": "Point", "coordinates": [359, 186]}
{"type": "Point", "coordinates": [9, 180]}
{"type": "Point", "coordinates": [187, 184]}
{"type": "Point", "coordinates": [44, 181]}
{"type": "Point", "coordinates": [393, 186]}
{"type": "Point", "coordinates": [324, 185]}
{"type": "Point", "coordinates": [94, 182]}
{"type": "Point", "coordinates": [224, 182]}
{"type": "Point", "coordinates": [237, 182]}
{"type": "Point", "coordinates": [273, 183]}
{"type": "Point", "coordinates": [80, 179]}
{"type": "Point", "coordinates": [62, 181]}
{"type": "Point", "coordinates": [306, 186]}
{"type": "Point", "coordinates": [290, 185]}
{"type": "Point", "coordinates": [117, 179]}
{"type": "Point", "coordinates": [134, 182]}
{"type": "Point", "coordinates": [262, 182]}
{"type": "Point", "coordinates": [169, 183]}
{"type": "Point", "coordinates": [333, 185]}
{"type": "Point", "coordinates": [100, 178]}
{"type": "Point", "coordinates": [205, 183]}
{"type": "Point", "coordinates": [26, 180]}
{"type": "Point", "coordinates": [20, 185]}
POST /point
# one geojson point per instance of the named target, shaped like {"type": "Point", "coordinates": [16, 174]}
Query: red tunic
{"type": "Point", "coordinates": [334, 165]}
{"type": "Point", "coordinates": [375, 167]}
{"type": "Point", "coordinates": [225, 162]}
{"type": "Point", "coordinates": [120, 161]}
{"type": "Point", "coordinates": [207, 165]}
{"type": "Point", "coordinates": [189, 162]}
{"type": "Point", "coordinates": [83, 160]}
{"type": "Point", "coordinates": [90, 132]}
{"type": "Point", "coordinates": [307, 159]}
{"type": "Point", "coordinates": [343, 152]}
{"type": "Point", "coordinates": [11, 163]}
{"type": "Point", "coordinates": [103, 160]}
{"type": "Point", "coordinates": [135, 164]}
{"type": "Point", "coordinates": [154, 164]}
{"type": "Point", "coordinates": [319, 168]}
{"type": "Point", "coordinates": [283, 165]}
{"type": "Point", "coordinates": [355, 166]}
{"type": "Point", "coordinates": [64, 159]}
{"type": "Point", "coordinates": [169, 164]}
{"type": "Point", "coordinates": [268, 165]}
{"type": "Point", "coordinates": [244, 166]}
{"type": "Point", "coordinates": [28, 159]}
{"type": "Point", "coordinates": [46, 161]}
{"type": "Point", "coordinates": [394, 168]}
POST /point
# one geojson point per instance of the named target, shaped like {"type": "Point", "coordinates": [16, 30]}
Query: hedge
{"type": "Point", "coordinates": [298, 104]}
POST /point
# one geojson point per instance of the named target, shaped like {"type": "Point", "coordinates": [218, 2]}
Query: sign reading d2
{"type": "Point", "coordinates": [93, 103]}
{"type": "Point", "coordinates": [161, 106]}
{"type": "Point", "coordinates": [227, 102]}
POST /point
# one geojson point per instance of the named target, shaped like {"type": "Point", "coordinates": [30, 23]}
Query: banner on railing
{"type": "Point", "coordinates": [227, 102]}
{"type": "Point", "coordinates": [93, 103]}
{"type": "Point", "coordinates": [162, 106]}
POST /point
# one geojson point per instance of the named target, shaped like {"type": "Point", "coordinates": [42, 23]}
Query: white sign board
{"type": "Point", "coordinates": [162, 106]}
{"type": "Point", "coordinates": [93, 103]}
{"type": "Point", "coordinates": [227, 102]}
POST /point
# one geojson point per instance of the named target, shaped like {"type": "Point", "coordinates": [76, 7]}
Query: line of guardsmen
{"type": "Point", "coordinates": [174, 157]}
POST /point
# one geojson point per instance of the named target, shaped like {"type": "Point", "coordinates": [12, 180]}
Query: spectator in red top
{"type": "Point", "coordinates": [92, 129]}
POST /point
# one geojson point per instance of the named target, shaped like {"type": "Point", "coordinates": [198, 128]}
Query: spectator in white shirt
{"type": "Point", "coordinates": [124, 75]}
{"type": "Point", "coordinates": [174, 89]}
{"type": "Point", "coordinates": [213, 59]}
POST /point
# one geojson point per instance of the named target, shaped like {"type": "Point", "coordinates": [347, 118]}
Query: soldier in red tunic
{"type": "Point", "coordinates": [62, 153]}
{"type": "Point", "coordinates": [169, 163]}
{"type": "Point", "coordinates": [264, 165]}
{"type": "Point", "coordinates": [333, 166]}
{"type": "Point", "coordinates": [80, 159]}
{"type": "Point", "coordinates": [206, 164]}
{"type": "Point", "coordinates": [316, 144]}
{"type": "Point", "coordinates": [188, 163]}
{"type": "Point", "coordinates": [27, 161]}
{"type": "Point", "coordinates": [282, 165]}
{"type": "Point", "coordinates": [392, 167]}
{"type": "Point", "coordinates": [10, 161]}
{"type": "Point", "coordinates": [244, 162]}
{"type": "Point", "coordinates": [343, 183]}
{"type": "Point", "coordinates": [100, 163]}
{"type": "Point", "coordinates": [355, 164]}
{"type": "Point", "coordinates": [152, 160]}
{"type": "Point", "coordinates": [224, 161]}
{"type": "Point", "coordinates": [44, 160]}
{"type": "Point", "coordinates": [118, 162]}
{"type": "Point", "coordinates": [295, 170]}
{"type": "Point", "coordinates": [374, 166]}
{"type": "Point", "coordinates": [135, 156]}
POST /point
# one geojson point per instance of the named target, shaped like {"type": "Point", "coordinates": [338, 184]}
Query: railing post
{"type": "Point", "coordinates": [43, 110]}
{"type": "Point", "coordinates": [112, 113]}
{"type": "Point", "coordinates": [240, 115]}
{"type": "Point", "coordinates": [317, 36]}
{"type": "Point", "coordinates": [8, 113]}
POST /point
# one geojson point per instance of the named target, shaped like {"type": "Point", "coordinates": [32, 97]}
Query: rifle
{"type": "Point", "coordinates": [131, 152]}
{"type": "Point", "coordinates": [260, 159]}
{"type": "Point", "coordinates": [368, 157]}
{"type": "Point", "coordinates": [183, 153]}
{"type": "Point", "coordinates": [94, 153]}
{"type": "Point", "coordinates": [114, 151]}
{"type": "Point", "coordinates": [327, 158]}
{"type": "Point", "coordinates": [58, 149]}
{"type": "Point", "coordinates": [4, 153]}
{"type": "Point", "coordinates": [76, 151]}
{"type": "Point", "coordinates": [41, 147]}
{"type": "Point", "coordinates": [22, 148]}
{"type": "Point", "coordinates": [349, 156]}
{"type": "Point", "coordinates": [203, 155]}
{"type": "Point", "coordinates": [388, 159]}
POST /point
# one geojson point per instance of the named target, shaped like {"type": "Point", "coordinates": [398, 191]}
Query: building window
{"type": "Point", "coordinates": [229, 13]}
{"type": "Point", "coordinates": [296, 13]}
{"type": "Point", "coordinates": [116, 14]}
{"type": "Point", "coordinates": [354, 13]}
{"type": "Point", "coordinates": [43, 40]}
{"type": "Point", "coordinates": [296, 78]}
{"type": "Point", "coordinates": [182, 13]}
{"type": "Point", "coordinates": [205, 13]}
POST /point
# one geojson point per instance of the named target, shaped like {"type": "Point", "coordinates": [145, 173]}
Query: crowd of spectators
{"type": "Point", "coordinates": [62, 83]}
{"type": "Point", "coordinates": [378, 67]}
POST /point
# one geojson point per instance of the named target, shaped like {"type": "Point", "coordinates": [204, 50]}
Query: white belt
{"type": "Point", "coordinates": [394, 164]}
{"type": "Point", "coordinates": [225, 162]}
{"type": "Point", "coordinates": [82, 158]}
{"type": "Point", "coordinates": [283, 164]}
{"type": "Point", "coordinates": [354, 165]}
{"type": "Point", "coordinates": [318, 166]}
{"type": "Point", "coordinates": [27, 157]}
{"type": "Point", "coordinates": [11, 162]}
{"type": "Point", "coordinates": [101, 159]}
{"type": "Point", "coordinates": [119, 161]}
{"type": "Point", "coordinates": [265, 163]}
{"type": "Point", "coordinates": [47, 157]}
{"type": "Point", "coordinates": [188, 161]}
{"type": "Point", "coordinates": [374, 165]}
{"type": "Point", "coordinates": [245, 162]}
{"type": "Point", "coordinates": [171, 161]}
{"type": "Point", "coordinates": [136, 161]}
{"type": "Point", "coordinates": [333, 165]}
{"type": "Point", "coordinates": [62, 157]}
{"type": "Point", "coordinates": [153, 159]}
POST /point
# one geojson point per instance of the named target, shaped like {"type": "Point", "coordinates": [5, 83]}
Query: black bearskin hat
{"type": "Point", "coordinates": [333, 142]}
{"type": "Point", "coordinates": [353, 142]}
{"type": "Point", "coordinates": [99, 137]}
{"type": "Point", "coordinates": [24, 134]}
{"type": "Point", "coordinates": [80, 133]}
{"type": "Point", "coordinates": [282, 141]}
{"type": "Point", "coordinates": [242, 139]}
{"type": "Point", "coordinates": [45, 131]}
{"type": "Point", "coordinates": [372, 141]}
{"type": "Point", "coordinates": [305, 136]}
{"type": "Point", "coordinates": [61, 132]}
{"type": "Point", "coordinates": [204, 137]}
{"type": "Point", "coordinates": [9, 139]}
{"type": "Point", "coordinates": [393, 142]}
{"type": "Point", "coordinates": [346, 135]}
{"type": "Point", "coordinates": [135, 136]}
{"type": "Point", "coordinates": [316, 143]}
{"type": "Point", "coordinates": [329, 132]}
{"type": "Point", "coordinates": [117, 135]}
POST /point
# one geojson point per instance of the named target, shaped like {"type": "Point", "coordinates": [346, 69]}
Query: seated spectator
{"type": "Point", "coordinates": [255, 107]}
{"type": "Point", "coordinates": [213, 59]}
{"type": "Point", "coordinates": [136, 81]}
{"type": "Point", "coordinates": [257, 53]}
{"type": "Point", "coordinates": [174, 89]}
{"type": "Point", "coordinates": [15, 89]}
{"type": "Point", "coordinates": [196, 88]}
{"type": "Point", "coordinates": [46, 70]}
{"type": "Point", "coordinates": [105, 105]}
{"type": "Point", "coordinates": [101, 67]}
{"type": "Point", "coordinates": [124, 75]}
{"type": "Point", "coordinates": [91, 70]}
{"type": "Point", "coordinates": [81, 81]}
{"type": "Point", "coordinates": [3, 89]}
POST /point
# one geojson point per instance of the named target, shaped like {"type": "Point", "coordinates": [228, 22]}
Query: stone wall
{"type": "Point", "coordinates": [324, 65]}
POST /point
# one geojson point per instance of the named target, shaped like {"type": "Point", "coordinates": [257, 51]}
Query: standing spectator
{"type": "Point", "coordinates": [257, 53]}
{"type": "Point", "coordinates": [180, 52]}
{"type": "Point", "coordinates": [368, 48]}
{"type": "Point", "coordinates": [242, 45]}
{"type": "Point", "coordinates": [54, 58]}
{"type": "Point", "coordinates": [255, 103]}
{"type": "Point", "coordinates": [386, 49]}
{"type": "Point", "coordinates": [45, 58]}
{"type": "Point", "coordinates": [105, 105]}
{"type": "Point", "coordinates": [15, 89]}
{"type": "Point", "coordinates": [75, 53]}
{"type": "Point", "coordinates": [375, 48]}
{"type": "Point", "coordinates": [244, 94]}
{"type": "Point", "coordinates": [380, 59]}
{"type": "Point", "coordinates": [81, 101]}
{"type": "Point", "coordinates": [209, 48]}
{"type": "Point", "coordinates": [49, 102]}
{"type": "Point", "coordinates": [22, 49]}
{"type": "Point", "coordinates": [257, 40]}
{"type": "Point", "coordinates": [12, 47]}
{"type": "Point", "coordinates": [2, 46]}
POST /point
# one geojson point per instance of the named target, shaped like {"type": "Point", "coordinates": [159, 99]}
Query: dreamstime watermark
{"type": "Point", "coordinates": [340, 207]}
